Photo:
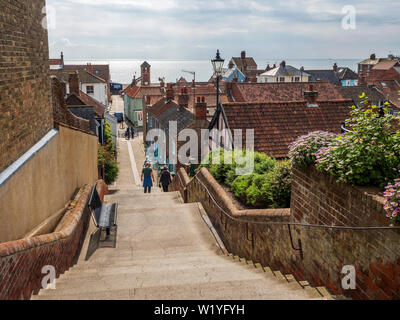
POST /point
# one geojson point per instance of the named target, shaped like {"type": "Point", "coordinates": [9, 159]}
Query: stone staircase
{"type": "Point", "coordinates": [165, 251]}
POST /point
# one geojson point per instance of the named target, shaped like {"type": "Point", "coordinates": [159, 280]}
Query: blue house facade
{"type": "Point", "coordinates": [233, 73]}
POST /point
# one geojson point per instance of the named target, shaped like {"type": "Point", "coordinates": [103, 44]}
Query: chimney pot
{"type": "Point", "coordinates": [335, 67]}
{"type": "Point", "coordinates": [283, 64]}
{"type": "Point", "coordinates": [243, 54]}
{"type": "Point", "coordinates": [201, 109]}
{"type": "Point", "coordinates": [373, 56]}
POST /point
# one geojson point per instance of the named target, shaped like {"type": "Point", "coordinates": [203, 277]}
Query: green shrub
{"type": "Point", "coordinates": [106, 156]}
{"type": "Point", "coordinates": [368, 154]}
{"type": "Point", "coordinates": [240, 186]}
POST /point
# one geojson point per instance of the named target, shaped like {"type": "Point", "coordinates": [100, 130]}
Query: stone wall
{"type": "Point", "coordinates": [25, 103]}
{"type": "Point", "coordinates": [46, 182]}
{"type": "Point", "coordinates": [316, 199]}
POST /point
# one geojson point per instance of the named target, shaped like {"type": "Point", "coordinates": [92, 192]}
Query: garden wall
{"type": "Point", "coordinates": [316, 199]}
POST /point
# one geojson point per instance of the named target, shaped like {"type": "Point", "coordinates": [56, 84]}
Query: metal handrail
{"type": "Point", "coordinates": [292, 223]}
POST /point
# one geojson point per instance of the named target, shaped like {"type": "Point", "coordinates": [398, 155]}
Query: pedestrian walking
{"type": "Point", "coordinates": [147, 178]}
{"type": "Point", "coordinates": [133, 133]}
{"type": "Point", "coordinates": [165, 179]}
{"type": "Point", "coordinates": [128, 133]}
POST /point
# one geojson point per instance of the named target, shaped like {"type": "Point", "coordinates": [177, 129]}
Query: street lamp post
{"type": "Point", "coordinates": [218, 64]}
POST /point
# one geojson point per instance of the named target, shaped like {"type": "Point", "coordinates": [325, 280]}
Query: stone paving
{"type": "Point", "coordinates": [165, 251]}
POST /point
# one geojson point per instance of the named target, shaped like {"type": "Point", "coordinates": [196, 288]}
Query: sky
{"type": "Point", "coordinates": [194, 29]}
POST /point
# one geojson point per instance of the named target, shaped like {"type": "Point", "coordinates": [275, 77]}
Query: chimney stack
{"type": "Point", "coordinates": [268, 67]}
{"type": "Point", "coordinates": [169, 93]}
{"type": "Point", "coordinates": [89, 68]}
{"type": "Point", "coordinates": [311, 96]}
{"type": "Point", "coordinates": [62, 59]}
{"type": "Point", "coordinates": [183, 99]}
{"type": "Point", "coordinates": [373, 56]}
{"type": "Point", "coordinates": [243, 55]}
{"type": "Point", "coordinates": [335, 67]}
{"type": "Point", "coordinates": [74, 83]}
{"type": "Point", "coordinates": [201, 109]}
{"type": "Point", "coordinates": [283, 64]}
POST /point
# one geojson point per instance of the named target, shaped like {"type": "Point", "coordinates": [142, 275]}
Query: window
{"type": "Point", "coordinates": [282, 79]}
{"type": "Point", "coordinates": [90, 90]}
{"type": "Point", "coordinates": [297, 79]}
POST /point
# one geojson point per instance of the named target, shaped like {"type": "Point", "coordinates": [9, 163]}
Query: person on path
{"type": "Point", "coordinates": [147, 178]}
{"type": "Point", "coordinates": [128, 133]}
{"type": "Point", "coordinates": [133, 133]}
{"type": "Point", "coordinates": [165, 179]}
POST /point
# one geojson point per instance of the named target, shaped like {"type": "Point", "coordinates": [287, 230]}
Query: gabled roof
{"type": "Point", "coordinates": [284, 71]}
{"type": "Point", "coordinates": [354, 93]}
{"type": "Point", "coordinates": [145, 65]}
{"type": "Point", "coordinates": [85, 100]}
{"type": "Point", "coordinates": [390, 90]}
{"type": "Point", "coordinates": [345, 73]}
{"type": "Point", "coordinates": [182, 116]}
{"type": "Point", "coordinates": [324, 75]}
{"type": "Point", "coordinates": [101, 71]}
{"type": "Point", "coordinates": [277, 125]}
{"type": "Point", "coordinates": [87, 77]}
{"type": "Point", "coordinates": [386, 65]}
{"type": "Point", "coordinates": [281, 92]}
{"type": "Point", "coordinates": [243, 63]}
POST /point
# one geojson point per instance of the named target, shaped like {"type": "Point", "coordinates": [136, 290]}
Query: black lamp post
{"type": "Point", "coordinates": [218, 64]}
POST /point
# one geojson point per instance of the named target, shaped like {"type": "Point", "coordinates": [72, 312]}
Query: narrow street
{"type": "Point", "coordinates": [164, 251]}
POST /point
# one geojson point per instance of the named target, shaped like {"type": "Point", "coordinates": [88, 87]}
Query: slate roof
{"type": "Point", "coordinates": [282, 92]}
{"type": "Point", "coordinates": [345, 73]}
{"type": "Point", "coordinates": [277, 125]}
{"type": "Point", "coordinates": [324, 75]}
{"type": "Point", "coordinates": [85, 100]}
{"type": "Point", "coordinates": [284, 71]}
{"type": "Point", "coordinates": [354, 93]}
{"type": "Point", "coordinates": [85, 112]}
{"type": "Point", "coordinates": [183, 117]}
{"type": "Point", "coordinates": [244, 63]}
{"type": "Point", "coordinates": [101, 71]}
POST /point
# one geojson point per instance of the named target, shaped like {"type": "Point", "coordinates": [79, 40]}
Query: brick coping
{"type": "Point", "coordinates": [65, 228]}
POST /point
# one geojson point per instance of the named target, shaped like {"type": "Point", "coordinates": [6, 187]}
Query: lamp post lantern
{"type": "Point", "coordinates": [218, 64]}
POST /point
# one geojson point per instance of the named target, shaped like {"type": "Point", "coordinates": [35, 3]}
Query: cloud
{"type": "Point", "coordinates": [193, 29]}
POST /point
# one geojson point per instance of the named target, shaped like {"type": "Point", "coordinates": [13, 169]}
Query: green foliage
{"type": "Point", "coordinates": [269, 186]}
{"type": "Point", "coordinates": [106, 156]}
{"type": "Point", "coordinates": [368, 154]}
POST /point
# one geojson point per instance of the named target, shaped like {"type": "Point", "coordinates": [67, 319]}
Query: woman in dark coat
{"type": "Point", "coordinates": [165, 179]}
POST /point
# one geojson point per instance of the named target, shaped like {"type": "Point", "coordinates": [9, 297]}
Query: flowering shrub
{"type": "Point", "coordinates": [366, 155]}
{"type": "Point", "coordinates": [392, 200]}
{"type": "Point", "coordinates": [303, 150]}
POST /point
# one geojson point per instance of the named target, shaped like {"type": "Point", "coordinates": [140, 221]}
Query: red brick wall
{"type": "Point", "coordinates": [25, 104]}
{"type": "Point", "coordinates": [316, 199]}
{"type": "Point", "coordinates": [21, 261]}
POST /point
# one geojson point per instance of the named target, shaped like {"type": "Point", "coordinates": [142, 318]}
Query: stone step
{"type": "Point", "coordinates": [227, 290]}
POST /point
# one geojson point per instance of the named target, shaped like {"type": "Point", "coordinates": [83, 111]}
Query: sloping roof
{"type": "Point", "coordinates": [324, 75]}
{"type": "Point", "coordinates": [160, 106]}
{"type": "Point", "coordinates": [243, 63]}
{"type": "Point", "coordinates": [284, 71]}
{"type": "Point", "coordinates": [145, 64]}
{"type": "Point", "coordinates": [390, 90]}
{"type": "Point", "coordinates": [87, 77]}
{"type": "Point", "coordinates": [277, 125]}
{"type": "Point", "coordinates": [102, 71]}
{"type": "Point", "coordinates": [85, 100]}
{"type": "Point", "coordinates": [139, 92]}
{"type": "Point", "coordinates": [385, 65]}
{"type": "Point", "coordinates": [54, 62]}
{"type": "Point", "coordinates": [354, 93]}
{"type": "Point", "coordinates": [282, 92]}
{"type": "Point", "coordinates": [182, 116]}
{"type": "Point", "coordinates": [345, 73]}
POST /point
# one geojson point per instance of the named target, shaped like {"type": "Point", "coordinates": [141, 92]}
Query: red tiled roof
{"type": "Point", "coordinates": [161, 106]}
{"type": "Point", "coordinates": [282, 92]}
{"type": "Point", "coordinates": [385, 65]}
{"type": "Point", "coordinates": [55, 62]}
{"type": "Point", "coordinates": [277, 125]}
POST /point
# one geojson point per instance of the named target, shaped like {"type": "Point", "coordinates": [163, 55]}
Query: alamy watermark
{"type": "Point", "coordinates": [349, 21]}
{"type": "Point", "coordinates": [349, 280]}
{"type": "Point", "coordinates": [194, 149]}
{"type": "Point", "coordinates": [49, 280]}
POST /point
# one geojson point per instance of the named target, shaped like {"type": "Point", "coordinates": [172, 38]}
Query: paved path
{"type": "Point", "coordinates": [165, 251]}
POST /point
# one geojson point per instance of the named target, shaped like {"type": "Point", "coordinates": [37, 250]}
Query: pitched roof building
{"type": "Point", "coordinates": [277, 125]}
{"type": "Point", "coordinates": [355, 92]}
{"type": "Point", "coordinates": [279, 92]}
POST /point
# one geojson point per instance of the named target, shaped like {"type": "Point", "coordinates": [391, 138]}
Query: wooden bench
{"type": "Point", "coordinates": [105, 218]}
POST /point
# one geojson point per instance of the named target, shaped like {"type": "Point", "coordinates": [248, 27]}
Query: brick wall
{"type": "Point", "coordinates": [21, 261]}
{"type": "Point", "coordinates": [25, 103]}
{"type": "Point", "coordinates": [61, 113]}
{"type": "Point", "coordinates": [316, 199]}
